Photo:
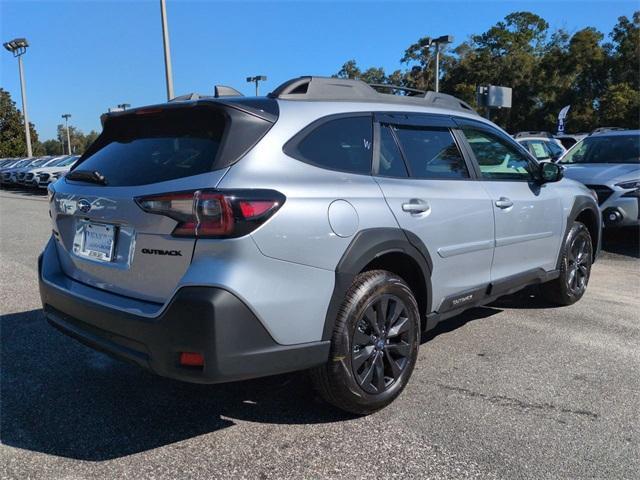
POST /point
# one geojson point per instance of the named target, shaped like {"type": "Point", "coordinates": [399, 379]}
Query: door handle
{"type": "Point", "coordinates": [416, 205]}
{"type": "Point", "coordinates": [504, 202]}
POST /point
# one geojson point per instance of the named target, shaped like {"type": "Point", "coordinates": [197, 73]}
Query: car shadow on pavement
{"type": "Point", "coordinates": [623, 241]}
{"type": "Point", "coordinates": [61, 398]}
{"type": "Point", "coordinates": [453, 323]}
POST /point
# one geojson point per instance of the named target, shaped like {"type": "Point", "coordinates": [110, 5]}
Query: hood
{"type": "Point", "coordinates": [600, 173]}
{"type": "Point", "coordinates": [51, 169]}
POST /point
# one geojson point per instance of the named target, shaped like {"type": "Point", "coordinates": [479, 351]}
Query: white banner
{"type": "Point", "coordinates": [561, 119]}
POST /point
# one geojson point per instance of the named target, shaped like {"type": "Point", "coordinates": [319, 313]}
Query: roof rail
{"type": "Point", "coordinates": [342, 89]}
{"type": "Point", "coordinates": [383, 86]}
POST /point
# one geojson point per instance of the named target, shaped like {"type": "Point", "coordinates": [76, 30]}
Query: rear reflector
{"type": "Point", "coordinates": [191, 359]}
{"type": "Point", "coordinates": [214, 213]}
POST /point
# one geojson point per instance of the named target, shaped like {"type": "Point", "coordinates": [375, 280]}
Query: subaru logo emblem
{"type": "Point", "coordinates": [84, 205]}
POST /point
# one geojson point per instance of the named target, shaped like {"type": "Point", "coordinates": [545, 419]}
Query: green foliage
{"type": "Point", "coordinates": [79, 141]}
{"type": "Point", "coordinates": [546, 70]}
{"type": "Point", "coordinates": [53, 147]}
{"type": "Point", "coordinates": [12, 137]}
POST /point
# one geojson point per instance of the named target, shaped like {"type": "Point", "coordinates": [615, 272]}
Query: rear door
{"type": "Point", "coordinates": [528, 216]}
{"type": "Point", "coordinates": [104, 238]}
{"type": "Point", "coordinates": [433, 194]}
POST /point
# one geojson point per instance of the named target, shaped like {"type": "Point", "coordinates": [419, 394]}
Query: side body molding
{"type": "Point", "coordinates": [366, 246]}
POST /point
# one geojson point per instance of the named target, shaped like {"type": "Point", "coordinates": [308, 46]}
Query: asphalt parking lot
{"type": "Point", "coordinates": [513, 390]}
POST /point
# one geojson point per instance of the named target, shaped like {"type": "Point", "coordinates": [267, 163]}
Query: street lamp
{"type": "Point", "coordinates": [442, 40]}
{"type": "Point", "coordinates": [18, 46]}
{"type": "Point", "coordinates": [66, 117]}
{"type": "Point", "coordinates": [256, 79]}
{"type": "Point", "coordinates": [167, 51]}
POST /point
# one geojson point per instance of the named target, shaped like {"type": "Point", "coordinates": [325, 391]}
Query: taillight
{"type": "Point", "coordinates": [214, 213]}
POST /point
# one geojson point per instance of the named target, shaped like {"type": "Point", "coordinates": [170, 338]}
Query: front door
{"type": "Point", "coordinates": [528, 215]}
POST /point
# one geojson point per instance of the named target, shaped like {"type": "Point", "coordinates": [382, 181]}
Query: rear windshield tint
{"type": "Point", "coordinates": [156, 147]}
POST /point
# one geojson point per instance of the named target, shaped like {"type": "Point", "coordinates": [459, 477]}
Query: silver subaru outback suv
{"type": "Point", "coordinates": [323, 227]}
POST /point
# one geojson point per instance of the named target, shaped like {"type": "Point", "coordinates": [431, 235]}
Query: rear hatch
{"type": "Point", "coordinates": [107, 235]}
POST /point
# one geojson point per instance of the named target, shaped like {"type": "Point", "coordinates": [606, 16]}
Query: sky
{"type": "Point", "coordinates": [86, 56]}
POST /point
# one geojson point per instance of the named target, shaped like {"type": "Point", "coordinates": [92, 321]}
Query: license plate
{"type": "Point", "coordinates": [97, 241]}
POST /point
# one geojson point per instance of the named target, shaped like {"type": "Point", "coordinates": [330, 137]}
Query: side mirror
{"type": "Point", "coordinates": [551, 172]}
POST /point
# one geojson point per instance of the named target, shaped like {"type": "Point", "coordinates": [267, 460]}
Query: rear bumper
{"type": "Point", "coordinates": [206, 320]}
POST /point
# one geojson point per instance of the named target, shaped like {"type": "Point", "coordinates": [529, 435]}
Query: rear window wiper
{"type": "Point", "coordinates": [87, 176]}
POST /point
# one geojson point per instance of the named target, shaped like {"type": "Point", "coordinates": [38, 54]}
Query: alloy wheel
{"type": "Point", "coordinates": [579, 264]}
{"type": "Point", "coordinates": [382, 343]}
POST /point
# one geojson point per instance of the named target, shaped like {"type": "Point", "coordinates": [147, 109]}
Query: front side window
{"type": "Point", "coordinates": [605, 149]}
{"type": "Point", "coordinates": [496, 158]}
{"type": "Point", "coordinates": [432, 153]}
{"type": "Point", "coordinates": [343, 144]}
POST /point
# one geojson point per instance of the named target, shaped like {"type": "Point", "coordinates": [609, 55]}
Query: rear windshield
{"type": "Point", "coordinates": [139, 149]}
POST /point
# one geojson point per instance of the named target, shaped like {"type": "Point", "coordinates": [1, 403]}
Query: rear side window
{"type": "Point", "coordinates": [343, 144]}
{"type": "Point", "coordinates": [391, 162]}
{"type": "Point", "coordinates": [432, 153]}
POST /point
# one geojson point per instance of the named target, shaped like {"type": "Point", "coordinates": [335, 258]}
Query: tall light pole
{"type": "Point", "coordinates": [444, 39]}
{"type": "Point", "coordinates": [167, 51]}
{"type": "Point", "coordinates": [66, 117]}
{"type": "Point", "coordinates": [18, 47]}
{"type": "Point", "coordinates": [256, 79]}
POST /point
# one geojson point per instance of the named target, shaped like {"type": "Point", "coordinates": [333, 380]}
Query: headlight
{"type": "Point", "coordinates": [629, 185]}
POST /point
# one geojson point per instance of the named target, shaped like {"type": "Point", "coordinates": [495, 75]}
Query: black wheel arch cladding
{"type": "Point", "coordinates": [587, 211]}
{"type": "Point", "coordinates": [367, 246]}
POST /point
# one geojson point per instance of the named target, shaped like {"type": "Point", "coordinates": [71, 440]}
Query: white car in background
{"type": "Point", "coordinates": [27, 174]}
{"type": "Point", "coordinates": [45, 176]}
{"type": "Point", "coordinates": [541, 145]}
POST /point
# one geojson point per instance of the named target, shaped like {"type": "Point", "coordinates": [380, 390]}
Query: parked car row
{"type": "Point", "coordinates": [605, 160]}
{"type": "Point", "coordinates": [547, 147]}
{"type": "Point", "coordinates": [36, 172]}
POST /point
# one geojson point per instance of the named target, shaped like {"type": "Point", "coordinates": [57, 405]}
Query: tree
{"type": "Point", "coordinates": [53, 147]}
{"type": "Point", "coordinates": [626, 51]}
{"type": "Point", "coordinates": [12, 138]}
{"type": "Point", "coordinates": [620, 106]}
{"type": "Point", "coordinates": [546, 70]}
{"type": "Point", "coordinates": [372, 75]}
{"type": "Point", "coordinates": [79, 141]}
{"type": "Point", "coordinates": [89, 138]}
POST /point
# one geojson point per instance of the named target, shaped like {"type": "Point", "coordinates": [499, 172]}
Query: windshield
{"type": "Point", "coordinates": [39, 163]}
{"type": "Point", "coordinates": [65, 162]}
{"type": "Point", "coordinates": [605, 149]}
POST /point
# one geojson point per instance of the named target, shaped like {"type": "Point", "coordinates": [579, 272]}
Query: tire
{"type": "Point", "coordinates": [575, 268]}
{"type": "Point", "coordinates": [363, 345]}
